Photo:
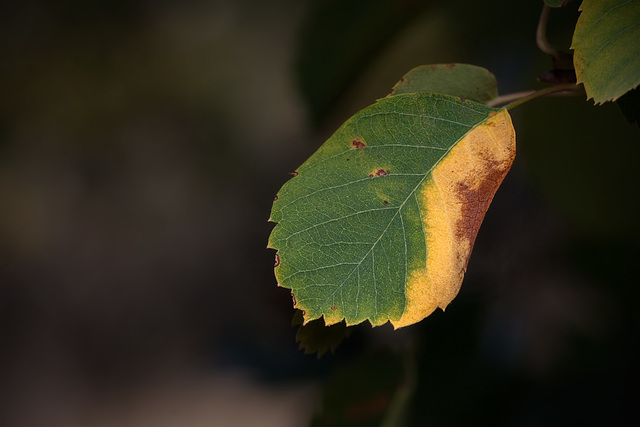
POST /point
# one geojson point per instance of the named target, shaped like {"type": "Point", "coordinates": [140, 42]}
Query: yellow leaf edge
{"type": "Point", "coordinates": [454, 200]}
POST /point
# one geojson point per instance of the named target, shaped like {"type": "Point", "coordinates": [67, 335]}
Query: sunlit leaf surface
{"type": "Point", "coordinates": [607, 48]}
{"type": "Point", "coordinates": [379, 223]}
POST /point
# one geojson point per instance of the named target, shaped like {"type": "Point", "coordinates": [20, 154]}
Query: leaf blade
{"type": "Point", "coordinates": [607, 52]}
{"type": "Point", "coordinates": [461, 80]}
{"type": "Point", "coordinates": [350, 233]}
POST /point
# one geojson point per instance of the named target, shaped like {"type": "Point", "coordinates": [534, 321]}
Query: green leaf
{"type": "Point", "coordinates": [461, 80]}
{"type": "Point", "coordinates": [607, 48]}
{"type": "Point", "coordinates": [379, 223]}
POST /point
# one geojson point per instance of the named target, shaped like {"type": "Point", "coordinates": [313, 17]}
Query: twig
{"type": "Point", "coordinates": [505, 99]}
{"type": "Point", "coordinates": [512, 100]}
{"type": "Point", "coordinates": [541, 34]}
{"type": "Point", "coordinates": [563, 89]}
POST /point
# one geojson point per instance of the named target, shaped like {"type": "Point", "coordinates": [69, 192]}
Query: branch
{"type": "Point", "coordinates": [541, 34]}
{"type": "Point", "coordinates": [518, 98]}
{"type": "Point", "coordinates": [505, 99]}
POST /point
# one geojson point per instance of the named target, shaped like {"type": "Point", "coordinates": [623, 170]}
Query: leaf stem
{"type": "Point", "coordinates": [510, 97]}
{"type": "Point", "coordinates": [515, 99]}
{"type": "Point", "coordinates": [563, 89]}
{"type": "Point", "coordinates": [541, 34]}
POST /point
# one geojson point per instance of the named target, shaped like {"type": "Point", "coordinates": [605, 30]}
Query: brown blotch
{"type": "Point", "coordinates": [379, 172]}
{"type": "Point", "coordinates": [333, 308]}
{"type": "Point", "coordinates": [294, 173]}
{"type": "Point", "coordinates": [385, 202]}
{"type": "Point", "coordinates": [476, 201]}
{"type": "Point", "coordinates": [358, 143]}
{"type": "Point", "coordinates": [277, 263]}
{"type": "Point", "coordinates": [275, 199]}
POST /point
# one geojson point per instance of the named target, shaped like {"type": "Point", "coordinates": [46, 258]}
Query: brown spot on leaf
{"type": "Point", "coordinates": [333, 308]}
{"type": "Point", "coordinates": [476, 201]}
{"type": "Point", "coordinates": [385, 202]}
{"type": "Point", "coordinates": [378, 172]}
{"type": "Point", "coordinates": [277, 263]}
{"type": "Point", "coordinates": [492, 113]}
{"type": "Point", "coordinates": [275, 199]}
{"type": "Point", "coordinates": [451, 66]}
{"type": "Point", "coordinates": [358, 143]}
{"type": "Point", "coordinates": [294, 173]}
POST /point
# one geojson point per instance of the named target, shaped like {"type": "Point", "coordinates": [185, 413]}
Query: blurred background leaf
{"type": "Point", "coordinates": [315, 337]}
{"type": "Point", "coordinates": [362, 392]}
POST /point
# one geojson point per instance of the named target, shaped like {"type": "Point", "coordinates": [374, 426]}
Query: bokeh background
{"type": "Point", "coordinates": [141, 145]}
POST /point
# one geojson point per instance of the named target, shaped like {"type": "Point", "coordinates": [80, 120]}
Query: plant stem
{"type": "Point", "coordinates": [563, 89]}
{"type": "Point", "coordinates": [510, 97]}
{"type": "Point", "coordinates": [541, 34]}
{"type": "Point", "coordinates": [518, 98]}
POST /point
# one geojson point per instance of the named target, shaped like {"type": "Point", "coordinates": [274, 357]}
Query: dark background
{"type": "Point", "coordinates": [141, 145]}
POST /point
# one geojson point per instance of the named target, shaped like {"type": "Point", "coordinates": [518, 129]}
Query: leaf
{"type": "Point", "coordinates": [461, 80]}
{"type": "Point", "coordinates": [607, 48]}
{"type": "Point", "coordinates": [379, 223]}
{"type": "Point", "coordinates": [362, 393]}
{"type": "Point", "coordinates": [315, 337]}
